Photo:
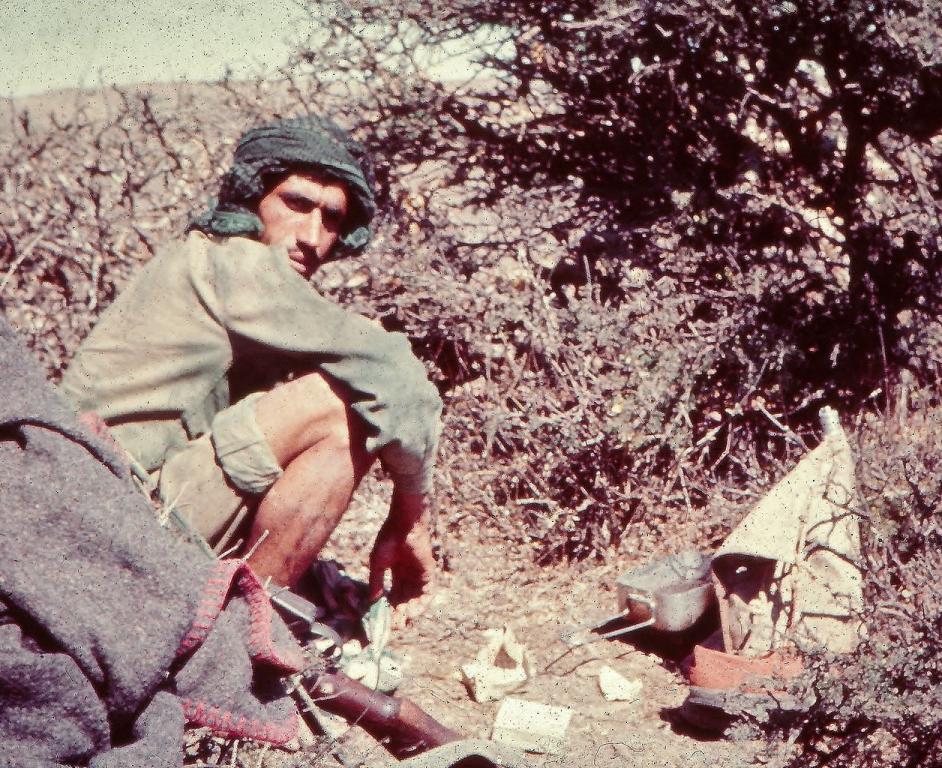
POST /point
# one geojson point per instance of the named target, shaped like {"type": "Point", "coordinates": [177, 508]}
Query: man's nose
{"type": "Point", "coordinates": [312, 229]}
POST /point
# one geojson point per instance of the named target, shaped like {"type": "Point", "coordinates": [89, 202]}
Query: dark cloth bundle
{"type": "Point", "coordinates": [113, 634]}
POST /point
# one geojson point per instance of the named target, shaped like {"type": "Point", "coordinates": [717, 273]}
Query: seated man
{"type": "Point", "coordinates": [257, 404]}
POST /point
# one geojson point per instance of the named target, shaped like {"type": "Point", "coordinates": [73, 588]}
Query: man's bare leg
{"type": "Point", "coordinates": [320, 444]}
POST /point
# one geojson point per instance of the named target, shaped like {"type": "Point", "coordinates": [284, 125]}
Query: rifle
{"type": "Point", "coordinates": [397, 722]}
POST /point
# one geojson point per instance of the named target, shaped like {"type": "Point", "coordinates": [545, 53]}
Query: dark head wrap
{"type": "Point", "coordinates": [309, 144]}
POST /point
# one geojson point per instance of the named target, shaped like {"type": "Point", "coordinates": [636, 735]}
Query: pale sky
{"type": "Point", "coordinates": [52, 44]}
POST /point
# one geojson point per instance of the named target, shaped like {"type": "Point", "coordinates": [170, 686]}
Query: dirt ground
{"type": "Point", "coordinates": [491, 584]}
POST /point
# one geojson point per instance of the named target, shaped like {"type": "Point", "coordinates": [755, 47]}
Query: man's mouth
{"type": "Point", "coordinates": [299, 262]}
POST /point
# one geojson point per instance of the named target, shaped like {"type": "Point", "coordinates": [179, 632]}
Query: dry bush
{"type": "Point", "coordinates": [87, 198]}
{"type": "Point", "coordinates": [881, 705]}
{"type": "Point", "coordinates": [637, 253]}
{"type": "Point", "coordinates": [539, 407]}
{"type": "Point", "coordinates": [711, 219]}
{"type": "Point", "coordinates": [635, 249]}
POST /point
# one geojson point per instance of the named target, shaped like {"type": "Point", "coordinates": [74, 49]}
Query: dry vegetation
{"type": "Point", "coordinates": [880, 706]}
{"type": "Point", "coordinates": [638, 251]}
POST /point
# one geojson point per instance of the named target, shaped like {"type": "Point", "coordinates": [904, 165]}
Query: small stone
{"type": "Point", "coordinates": [616, 687]}
{"type": "Point", "coordinates": [501, 666]}
{"type": "Point", "coordinates": [531, 726]}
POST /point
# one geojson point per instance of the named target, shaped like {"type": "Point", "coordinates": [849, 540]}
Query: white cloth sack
{"type": "Point", "coordinates": [790, 574]}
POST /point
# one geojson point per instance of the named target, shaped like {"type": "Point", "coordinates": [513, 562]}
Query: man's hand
{"type": "Point", "coordinates": [404, 547]}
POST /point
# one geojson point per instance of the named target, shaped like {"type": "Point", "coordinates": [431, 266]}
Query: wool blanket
{"type": "Point", "coordinates": [113, 633]}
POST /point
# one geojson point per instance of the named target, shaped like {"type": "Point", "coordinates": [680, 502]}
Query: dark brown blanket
{"type": "Point", "coordinates": [112, 633]}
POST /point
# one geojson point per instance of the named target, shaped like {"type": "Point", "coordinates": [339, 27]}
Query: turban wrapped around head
{"type": "Point", "coordinates": [308, 144]}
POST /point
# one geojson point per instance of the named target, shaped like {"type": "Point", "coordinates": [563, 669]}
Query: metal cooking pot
{"type": "Point", "coordinates": [669, 595]}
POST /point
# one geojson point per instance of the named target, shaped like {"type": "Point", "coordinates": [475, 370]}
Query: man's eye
{"type": "Point", "coordinates": [298, 204]}
{"type": "Point", "coordinates": [331, 217]}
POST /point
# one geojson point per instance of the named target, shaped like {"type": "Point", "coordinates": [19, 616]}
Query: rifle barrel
{"type": "Point", "coordinates": [408, 727]}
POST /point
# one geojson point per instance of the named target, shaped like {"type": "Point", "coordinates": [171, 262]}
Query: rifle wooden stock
{"type": "Point", "coordinates": [407, 728]}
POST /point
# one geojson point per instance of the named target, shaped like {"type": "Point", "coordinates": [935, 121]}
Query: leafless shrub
{"type": "Point", "coordinates": [880, 706]}
{"type": "Point", "coordinates": [638, 246]}
{"type": "Point", "coordinates": [87, 199]}
{"type": "Point", "coordinates": [720, 217]}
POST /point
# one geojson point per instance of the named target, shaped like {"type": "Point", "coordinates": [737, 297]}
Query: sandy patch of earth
{"type": "Point", "coordinates": [490, 584]}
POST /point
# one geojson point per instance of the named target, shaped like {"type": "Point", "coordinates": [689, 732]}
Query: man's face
{"type": "Point", "coordinates": [304, 214]}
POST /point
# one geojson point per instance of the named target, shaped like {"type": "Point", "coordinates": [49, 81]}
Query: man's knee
{"type": "Point", "coordinates": [310, 412]}
{"type": "Point", "coordinates": [315, 401]}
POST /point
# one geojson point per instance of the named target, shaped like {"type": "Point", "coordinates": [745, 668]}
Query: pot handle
{"type": "Point", "coordinates": [584, 634]}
